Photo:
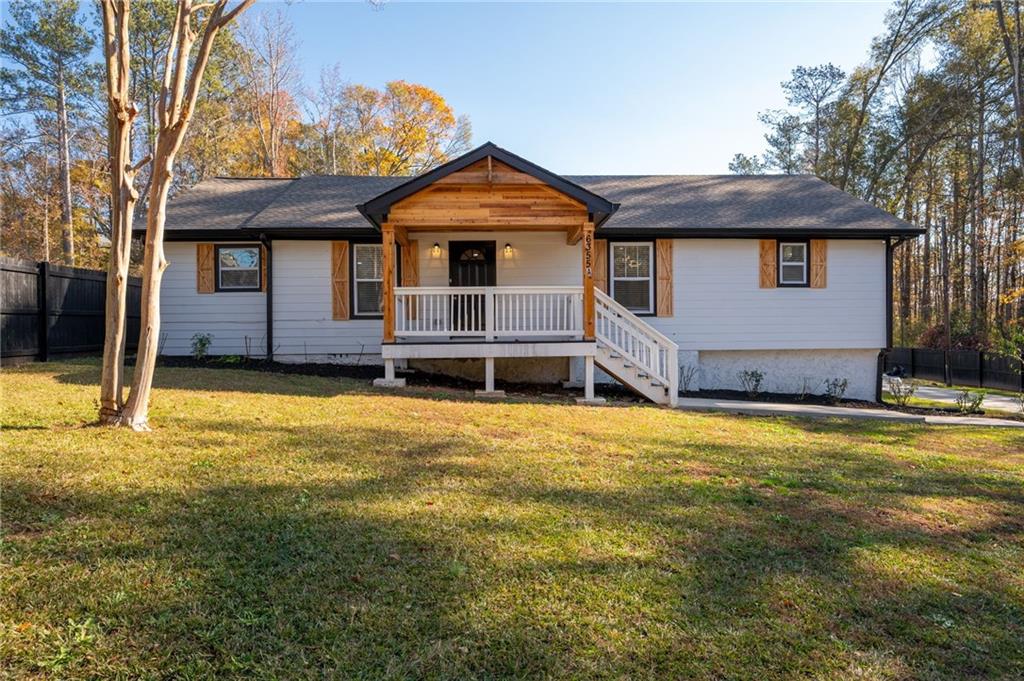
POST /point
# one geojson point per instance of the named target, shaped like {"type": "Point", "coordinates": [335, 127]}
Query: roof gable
{"type": "Point", "coordinates": [377, 209]}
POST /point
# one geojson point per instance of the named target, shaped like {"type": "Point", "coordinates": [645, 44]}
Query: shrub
{"type": "Point", "coordinates": [1020, 401]}
{"type": "Point", "coordinates": [969, 401]}
{"type": "Point", "coordinates": [902, 390]}
{"type": "Point", "coordinates": [835, 388]}
{"type": "Point", "coordinates": [687, 373]}
{"type": "Point", "coordinates": [807, 386]}
{"type": "Point", "coordinates": [752, 380]}
{"type": "Point", "coordinates": [201, 345]}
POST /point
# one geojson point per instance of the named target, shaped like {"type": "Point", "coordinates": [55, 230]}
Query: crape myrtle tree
{"type": "Point", "coordinates": [188, 52]}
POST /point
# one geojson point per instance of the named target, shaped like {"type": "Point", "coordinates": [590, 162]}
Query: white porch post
{"type": "Point", "coordinates": [389, 380]}
{"type": "Point", "coordinates": [489, 390]}
{"type": "Point", "coordinates": [588, 383]}
{"type": "Point", "coordinates": [588, 377]}
{"type": "Point", "coordinates": [489, 374]}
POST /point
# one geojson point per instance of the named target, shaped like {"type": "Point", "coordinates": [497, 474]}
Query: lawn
{"type": "Point", "coordinates": [284, 526]}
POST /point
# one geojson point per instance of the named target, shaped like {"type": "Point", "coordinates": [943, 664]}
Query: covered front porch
{"type": "Point", "coordinates": [492, 257]}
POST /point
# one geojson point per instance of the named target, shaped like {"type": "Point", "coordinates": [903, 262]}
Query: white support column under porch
{"type": "Point", "coordinates": [489, 351]}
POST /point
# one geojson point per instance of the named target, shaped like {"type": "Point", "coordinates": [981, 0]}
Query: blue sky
{"type": "Point", "coordinates": [593, 88]}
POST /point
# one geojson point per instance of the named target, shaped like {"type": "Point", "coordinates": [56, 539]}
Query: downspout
{"type": "Point", "coordinates": [889, 246]}
{"type": "Point", "coordinates": [268, 245]}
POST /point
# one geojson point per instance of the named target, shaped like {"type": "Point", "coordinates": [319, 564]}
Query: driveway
{"type": "Point", "coordinates": [948, 395]}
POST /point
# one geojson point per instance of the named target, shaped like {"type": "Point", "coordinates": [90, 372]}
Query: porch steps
{"type": "Point", "coordinates": [635, 353]}
{"type": "Point", "coordinates": [630, 376]}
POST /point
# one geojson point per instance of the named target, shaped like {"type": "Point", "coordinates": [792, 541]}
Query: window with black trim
{"type": "Point", "coordinates": [632, 280]}
{"type": "Point", "coordinates": [368, 278]}
{"type": "Point", "coordinates": [238, 267]}
{"type": "Point", "coordinates": [794, 257]}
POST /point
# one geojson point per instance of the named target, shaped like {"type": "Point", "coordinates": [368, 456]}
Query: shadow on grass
{"type": "Point", "coordinates": [384, 553]}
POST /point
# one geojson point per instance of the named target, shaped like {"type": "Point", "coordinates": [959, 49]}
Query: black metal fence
{"type": "Point", "coordinates": [958, 367]}
{"type": "Point", "coordinates": [48, 309]}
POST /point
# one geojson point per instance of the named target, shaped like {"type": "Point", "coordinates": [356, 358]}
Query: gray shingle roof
{"type": "Point", "coordinates": [743, 202]}
{"type": "Point", "coordinates": [324, 201]}
{"type": "Point", "coordinates": [671, 203]}
{"type": "Point", "coordinates": [222, 203]}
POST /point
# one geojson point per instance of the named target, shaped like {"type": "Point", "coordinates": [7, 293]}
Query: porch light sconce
{"type": "Point", "coordinates": [508, 250]}
{"type": "Point", "coordinates": [436, 250]}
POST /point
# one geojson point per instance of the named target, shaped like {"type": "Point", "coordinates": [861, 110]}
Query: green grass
{"type": "Point", "coordinates": [972, 388]}
{"type": "Point", "coordinates": [283, 526]}
{"type": "Point", "coordinates": [944, 408]}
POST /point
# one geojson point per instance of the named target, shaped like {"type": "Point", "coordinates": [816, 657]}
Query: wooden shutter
{"type": "Point", "coordinates": [663, 269]}
{"type": "Point", "coordinates": [205, 273]}
{"type": "Point", "coordinates": [819, 263]}
{"type": "Point", "coordinates": [601, 265]}
{"type": "Point", "coordinates": [263, 268]}
{"type": "Point", "coordinates": [339, 280]}
{"type": "Point", "coordinates": [769, 263]}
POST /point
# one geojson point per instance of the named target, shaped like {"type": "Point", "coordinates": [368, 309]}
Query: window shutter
{"type": "Point", "coordinates": [663, 268]}
{"type": "Point", "coordinates": [601, 265]}
{"type": "Point", "coordinates": [263, 268]}
{"type": "Point", "coordinates": [769, 263]}
{"type": "Point", "coordinates": [339, 280]}
{"type": "Point", "coordinates": [819, 263]}
{"type": "Point", "coordinates": [204, 269]}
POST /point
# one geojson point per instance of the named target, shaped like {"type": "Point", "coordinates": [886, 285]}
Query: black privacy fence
{"type": "Point", "coordinates": [48, 310]}
{"type": "Point", "coordinates": [958, 367]}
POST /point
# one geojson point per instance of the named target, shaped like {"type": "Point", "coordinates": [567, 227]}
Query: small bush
{"type": "Point", "coordinates": [687, 373]}
{"type": "Point", "coordinates": [807, 387]}
{"type": "Point", "coordinates": [752, 380]}
{"type": "Point", "coordinates": [902, 390]}
{"type": "Point", "coordinates": [201, 345]}
{"type": "Point", "coordinates": [835, 388]}
{"type": "Point", "coordinates": [969, 401]}
{"type": "Point", "coordinates": [1020, 401]}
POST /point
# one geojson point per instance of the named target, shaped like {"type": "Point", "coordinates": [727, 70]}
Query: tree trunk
{"type": "Point", "coordinates": [64, 154]}
{"type": "Point", "coordinates": [978, 311]}
{"type": "Point", "coordinates": [926, 260]}
{"type": "Point", "coordinates": [945, 284]}
{"type": "Point", "coordinates": [1012, 47]}
{"type": "Point", "coordinates": [120, 119]}
{"type": "Point", "coordinates": [136, 411]}
{"type": "Point", "coordinates": [46, 226]}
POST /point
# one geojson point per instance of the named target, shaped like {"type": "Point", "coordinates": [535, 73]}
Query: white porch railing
{"type": "Point", "coordinates": [492, 312]}
{"type": "Point", "coordinates": [637, 341]}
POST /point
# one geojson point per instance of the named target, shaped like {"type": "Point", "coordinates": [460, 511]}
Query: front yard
{"type": "Point", "coordinates": [291, 526]}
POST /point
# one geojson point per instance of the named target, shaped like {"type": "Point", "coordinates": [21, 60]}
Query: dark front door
{"type": "Point", "coordinates": [470, 263]}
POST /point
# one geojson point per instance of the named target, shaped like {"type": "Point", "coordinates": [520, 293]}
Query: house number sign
{"type": "Point", "coordinates": [588, 253]}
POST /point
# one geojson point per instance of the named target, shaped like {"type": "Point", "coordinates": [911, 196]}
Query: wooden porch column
{"type": "Point", "coordinates": [387, 231]}
{"type": "Point", "coordinates": [588, 280]}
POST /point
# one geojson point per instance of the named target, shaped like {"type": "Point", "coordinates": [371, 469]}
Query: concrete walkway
{"type": "Point", "coordinates": [948, 395]}
{"type": "Point", "coordinates": [821, 411]}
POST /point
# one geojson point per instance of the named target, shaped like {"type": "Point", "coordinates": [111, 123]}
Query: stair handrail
{"type": "Point", "coordinates": [654, 340]}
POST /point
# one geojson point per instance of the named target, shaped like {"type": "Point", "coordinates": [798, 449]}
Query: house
{"type": "Point", "coordinates": [491, 266]}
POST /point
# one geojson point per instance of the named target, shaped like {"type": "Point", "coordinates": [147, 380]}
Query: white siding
{"type": "Point", "coordinates": [537, 259]}
{"type": "Point", "coordinates": [229, 317]}
{"type": "Point", "coordinates": [304, 329]}
{"type": "Point", "coordinates": [719, 306]}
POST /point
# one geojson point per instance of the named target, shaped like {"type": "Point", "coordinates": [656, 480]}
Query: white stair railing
{"type": "Point", "coordinates": [637, 342]}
